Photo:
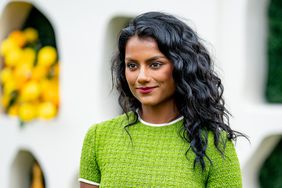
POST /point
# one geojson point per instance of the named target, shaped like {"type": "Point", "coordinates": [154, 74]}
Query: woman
{"type": "Point", "coordinates": [175, 131]}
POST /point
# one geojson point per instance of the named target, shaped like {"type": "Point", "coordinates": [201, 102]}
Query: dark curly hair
{"type": "Point", "coordinates": [198, 94]}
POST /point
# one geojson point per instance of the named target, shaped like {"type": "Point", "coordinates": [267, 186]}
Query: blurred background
{"type": "Point", "coordinates": [55, 80]}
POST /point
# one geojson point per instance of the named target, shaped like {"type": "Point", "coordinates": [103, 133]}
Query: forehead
{"type": "Point", "coordinates": [139, 45]}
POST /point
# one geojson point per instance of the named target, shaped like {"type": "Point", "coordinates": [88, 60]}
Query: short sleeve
{"type": "Point", "coordinates": [89, 169]}
{"type": "Point", "coordinates": [225, 170]}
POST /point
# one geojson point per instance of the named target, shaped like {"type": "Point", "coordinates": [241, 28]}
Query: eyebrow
{"type": "Point", "coordinates": [147, 60]}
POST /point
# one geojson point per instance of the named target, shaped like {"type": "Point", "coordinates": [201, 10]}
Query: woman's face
{"type": "Point", "coordinates": [148, 72]}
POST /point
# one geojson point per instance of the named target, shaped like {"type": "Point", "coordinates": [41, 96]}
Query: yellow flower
{"type": "Point", "coordinates": [47, 110]}
{"type": "Point", "coordinates": [18, 37]}
{"type": "Point", "coordinates": [28, 56]}
{"type": "Point", "coordinates": [13, 110]}
{"type": "Point", "coordinates": [50, 91]}
{"type": "Point", "coordinates": [6, 46]}
{"type": "Point", "coordinates": [13, 57]}
{"type": "Point", "coordinates": [5, 100]}
{"type": "Point", "coordinates": [6, 74]}
{"type": "Point", "coordinates": [30, 34]}
{"type": "Point", "coordinates": [27, 112]}
{"type": "Point", "coordinates": [9, 86]}
{"type": "Point", "coordinates": [21, 74]}
{"type": "Point", "coordinates": [30, 91]}
{"type": "Point", "coordinates": [38, 73]}
{"type": "Point", "coordinates": [56, 69]}
{"type": "Point", "coordinates": [47, 56]}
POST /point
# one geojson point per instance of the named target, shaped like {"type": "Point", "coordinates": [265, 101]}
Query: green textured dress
{"type": "Point", "coordinates": [152, 156]}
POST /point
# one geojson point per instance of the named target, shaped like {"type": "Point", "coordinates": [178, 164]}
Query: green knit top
{"type": "Point", "coordinates": [152, 156]}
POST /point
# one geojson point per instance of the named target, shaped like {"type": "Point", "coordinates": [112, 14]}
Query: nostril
{"type": "Point", "coordinates": [143, 77]}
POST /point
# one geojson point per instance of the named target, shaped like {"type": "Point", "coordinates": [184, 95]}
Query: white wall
{"type": "Point", "coordinates": [83, 29]}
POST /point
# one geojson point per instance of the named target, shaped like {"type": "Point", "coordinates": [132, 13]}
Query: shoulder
{"type": "Point", "coordinates": [111, 124]}
{"type": "Point", "coordinates": [222, 138]}
{"type": "Point", "coordinates": [225, 168]}
{"type": "Point", "coordinates": [222, 143]}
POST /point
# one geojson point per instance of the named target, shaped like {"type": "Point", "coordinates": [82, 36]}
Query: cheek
{"type": "Point", "coordinates": [167, 76]}
{"type": "Point", "coordinates": [130, 77]}
{"type": "Point", "coordinates": [168, 79]}
{"type": "Point", "coordinates": [171, 84]}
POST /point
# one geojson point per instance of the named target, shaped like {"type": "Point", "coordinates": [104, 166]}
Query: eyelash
{"type": "Point", "coordinates": [153, 65]}
{"type": "Point", "coordinates": [129, 66]}
{"type": "Point", "coordinates": [158, 64]}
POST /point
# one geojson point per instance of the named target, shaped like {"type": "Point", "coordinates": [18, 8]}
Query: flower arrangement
{"type": "Point", "coordinates": [29, 77]}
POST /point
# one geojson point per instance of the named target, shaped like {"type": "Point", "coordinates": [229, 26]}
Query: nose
{"type": "Point", "coordinates": [143, 76]}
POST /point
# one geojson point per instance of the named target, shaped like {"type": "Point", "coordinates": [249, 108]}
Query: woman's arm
{"type": "Point", "coordinates": [225, 171]}
{"type": "Point", "coordinates": [89, 175]}
{"type": "Point", "coordinates": [86, 185]}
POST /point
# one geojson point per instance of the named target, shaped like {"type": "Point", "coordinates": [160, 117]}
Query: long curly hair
{"type": "Point", "coordinates": [199, 90]}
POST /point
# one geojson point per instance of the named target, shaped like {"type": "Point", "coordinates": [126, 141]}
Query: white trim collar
{"type": "Point", "coordinates": [88, 181]}
{"type": "Point", "coordinates": [158, 124]}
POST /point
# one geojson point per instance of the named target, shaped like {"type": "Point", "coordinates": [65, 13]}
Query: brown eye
{"type": "Point", "coordinates": [131, 66]}
{"type": "Point", "coordinates": [156, 65]}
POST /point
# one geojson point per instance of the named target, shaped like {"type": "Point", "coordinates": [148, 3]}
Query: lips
{"type": "Point", "coordinates": [145, 90]}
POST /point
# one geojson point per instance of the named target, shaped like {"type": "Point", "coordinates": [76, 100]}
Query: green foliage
{"type": "Point", "coordinates": [270, 175]}
{"type": "Point", "coordinates": [274, 80]}
{"type": "Point", "coordinates": [45, 30]}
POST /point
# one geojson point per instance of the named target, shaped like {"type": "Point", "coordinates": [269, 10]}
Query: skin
{"type": "Point", "coordinates": [147, 66]}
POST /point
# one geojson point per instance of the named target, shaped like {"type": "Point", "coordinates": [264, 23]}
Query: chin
{"type": "Point", "coordinates": [148, 103]}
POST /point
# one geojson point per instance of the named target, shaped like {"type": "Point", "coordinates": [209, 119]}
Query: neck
{"type": "Point", "coordinates": [158, 115]}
